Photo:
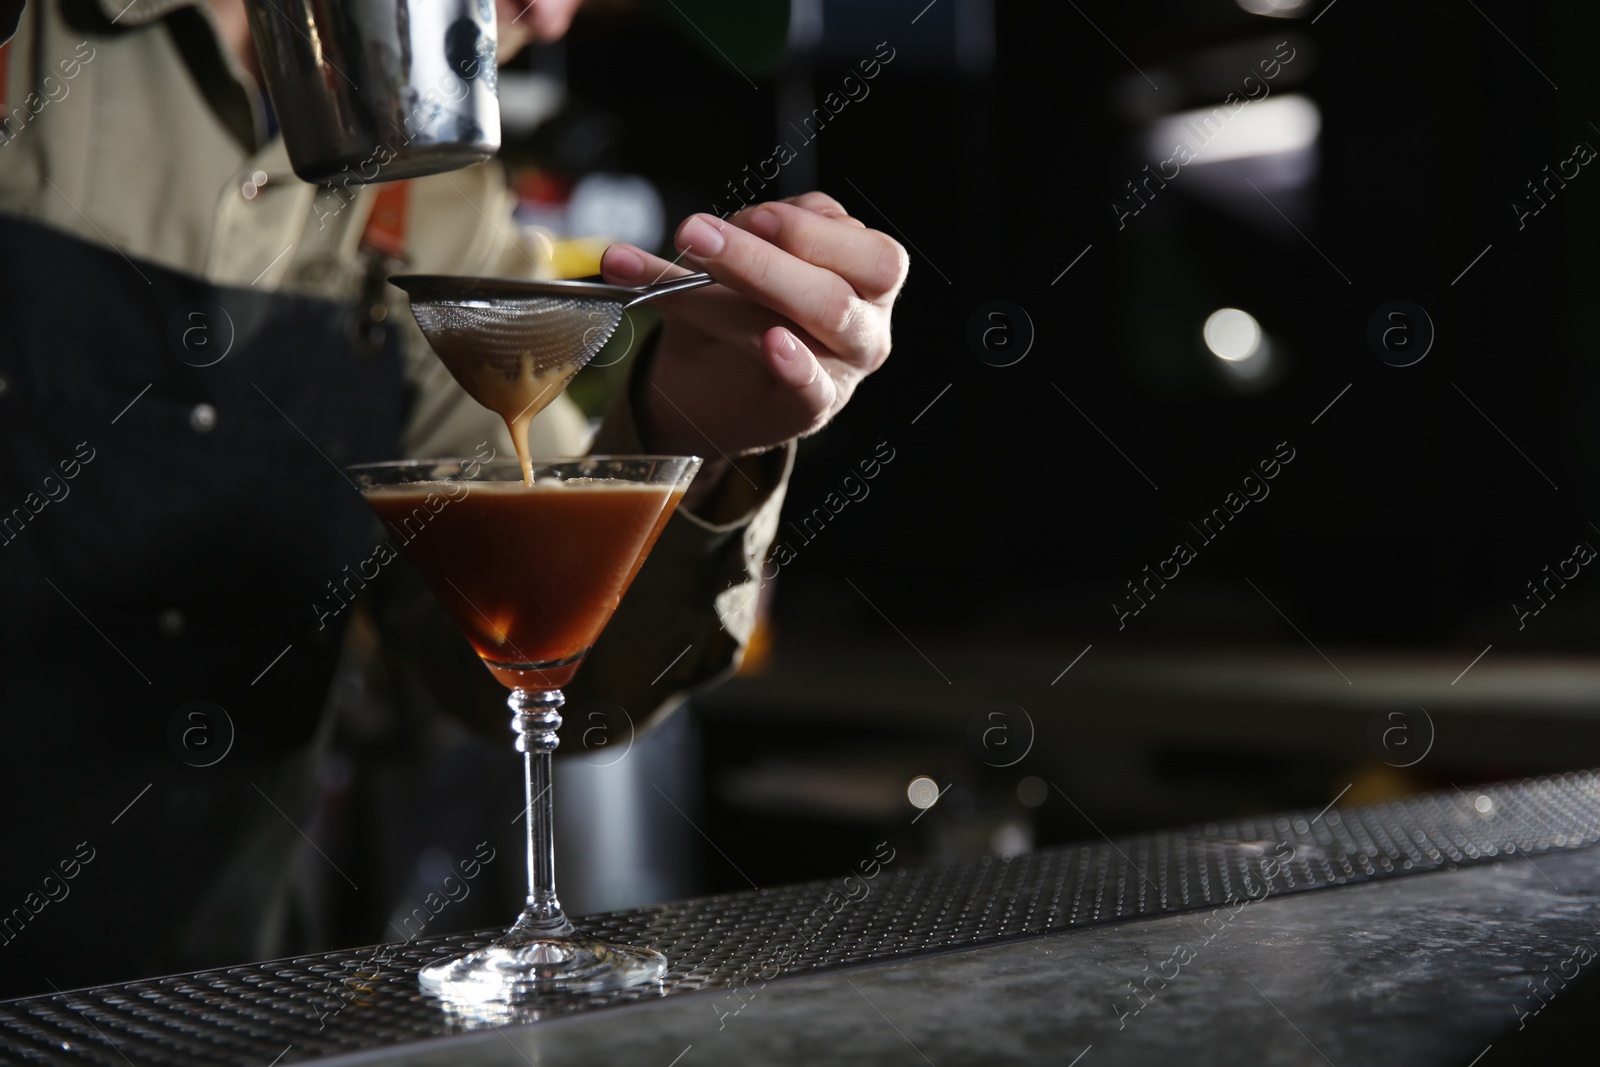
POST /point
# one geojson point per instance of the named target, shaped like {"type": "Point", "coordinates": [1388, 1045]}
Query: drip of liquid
{"type": "Point", "coordinates": [516, 397]}
{"type": "Point", "coordinates": [515, 357]}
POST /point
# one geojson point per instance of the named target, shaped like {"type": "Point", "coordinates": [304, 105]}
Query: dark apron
{"type": "Point", "coordinates": [186, 559]}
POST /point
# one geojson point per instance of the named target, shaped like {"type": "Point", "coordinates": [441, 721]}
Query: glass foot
{"type": "Point", "coordinates": [527, 962]}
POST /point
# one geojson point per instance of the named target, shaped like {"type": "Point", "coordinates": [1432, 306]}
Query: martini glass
{"type": "Point", "coordinates": [531, 573]}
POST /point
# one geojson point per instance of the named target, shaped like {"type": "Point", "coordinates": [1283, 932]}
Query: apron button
{"type": "Point", "coordinates": [170, 623]}
{"type": "Point", "coordinates": [203, 418]}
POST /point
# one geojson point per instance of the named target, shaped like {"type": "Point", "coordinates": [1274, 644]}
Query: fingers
{"type": "Point", "coordinates": [818, 300]}
{"type": "Point", "coordinates": [872, 262]}
{"type": "Point", "coordinates": [812, 390]}
{"type": "Point", "coordinates": [805, 226]}
{"type": "Point", "coordinates": [807, 375]}
{"type": "Point", "coordinates": [802, 264]}
{"type": "Point", "coordinates": [624, 264]}
{"type": "Point", "coordinates": [715, 311]}
{"type": "Point", "coordinates": [825, 205]}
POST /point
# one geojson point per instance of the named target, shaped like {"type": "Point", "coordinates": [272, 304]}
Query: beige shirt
{"type": "Point", "coordinates": [134, 127]}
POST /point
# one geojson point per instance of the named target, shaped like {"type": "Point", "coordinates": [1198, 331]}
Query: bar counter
{"type": "Point", "coordinates": [1452, 928]}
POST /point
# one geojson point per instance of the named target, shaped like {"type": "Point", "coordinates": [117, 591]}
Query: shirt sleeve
{"type": "Point", "coordinates": [686, 620]}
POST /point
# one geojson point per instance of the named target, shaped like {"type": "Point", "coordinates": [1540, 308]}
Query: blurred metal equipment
{"type": "Point", "coordinates": [1191, 886]}
{"type": "Point", "coordinates": [378, 90]}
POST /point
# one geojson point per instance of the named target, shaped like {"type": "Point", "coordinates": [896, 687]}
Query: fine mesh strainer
{"type": "Point", "coordinates": [507, 328]}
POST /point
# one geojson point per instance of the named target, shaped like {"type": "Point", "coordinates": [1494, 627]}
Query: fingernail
{"type": "Point", "coordinates": [620, 259]}
{"type": "Point", "coordinates": [788, 349]}
{"type": "Point", "coordinates": [764, 223]}
{"type": "Point", "coordinates": [700, 237]}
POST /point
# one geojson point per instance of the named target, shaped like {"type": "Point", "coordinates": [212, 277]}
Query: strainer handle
{"type": "Point", "coordinates": [671, 285]}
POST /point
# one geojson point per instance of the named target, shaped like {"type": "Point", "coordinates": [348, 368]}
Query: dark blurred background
{"type": "Point", "coordinates": [951, 661]}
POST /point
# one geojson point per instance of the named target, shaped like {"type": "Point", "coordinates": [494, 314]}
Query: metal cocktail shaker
{"type": "Point", "coordinates": [377, 90]}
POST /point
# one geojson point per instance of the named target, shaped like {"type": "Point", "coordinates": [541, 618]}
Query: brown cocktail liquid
{"type": "Point", "coordinates": [531, 573]}
{"type": "Point", "coordinates": [517, 397]}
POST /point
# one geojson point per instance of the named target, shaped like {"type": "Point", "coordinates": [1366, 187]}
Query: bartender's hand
{"type": "Point", "coordinates": [774, 351]}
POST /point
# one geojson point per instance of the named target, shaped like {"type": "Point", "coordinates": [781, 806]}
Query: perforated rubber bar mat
{"type": "Point", "coordinates": [338, 1002]}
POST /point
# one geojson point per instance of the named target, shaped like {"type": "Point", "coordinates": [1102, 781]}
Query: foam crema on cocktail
{"type": "Point", "coordinates": [531, 572]}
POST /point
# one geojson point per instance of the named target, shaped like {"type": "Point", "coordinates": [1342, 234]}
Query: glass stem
{"type": "Point", "coordinates": [536, 717]}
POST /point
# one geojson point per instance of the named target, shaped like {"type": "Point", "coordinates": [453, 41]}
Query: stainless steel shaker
{"type": "Point", "coordinates": [376, 90]}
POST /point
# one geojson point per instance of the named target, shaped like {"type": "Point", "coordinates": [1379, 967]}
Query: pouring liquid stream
{"type": "Point", "coordinates": [516, 398]}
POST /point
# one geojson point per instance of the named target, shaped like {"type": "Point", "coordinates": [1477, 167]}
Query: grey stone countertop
{"type": "Point", "coordinates": [1476, 967]}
